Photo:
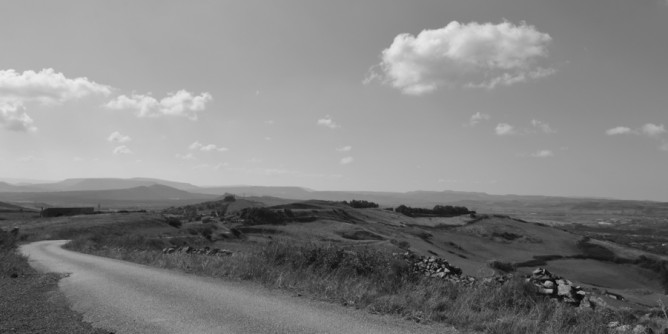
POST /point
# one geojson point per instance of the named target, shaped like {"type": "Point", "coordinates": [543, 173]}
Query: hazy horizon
{"type": "Point", "coordinates": [528, 97]}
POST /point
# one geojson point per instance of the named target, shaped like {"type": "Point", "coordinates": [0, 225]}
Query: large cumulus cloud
{"type": "Point", "coordinates": [474, 55]}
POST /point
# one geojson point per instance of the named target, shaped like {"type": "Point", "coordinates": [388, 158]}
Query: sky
{"type": "Point", "coordinates": [542, 97]}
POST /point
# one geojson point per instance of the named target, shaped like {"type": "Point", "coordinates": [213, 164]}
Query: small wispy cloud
{"type": "Point", "coordinates": [117, 137]}
{"type": "Point", "coordinates": [505, 129]}
{"type": "Point", "coordinates": [620, 130]}
{"type": "Point", "coordinates": [542, 126]}
{"type": "Point", "coordinates": [188, 156]}
{"type": "Point", "coordinates": [347, 148]}
{"type": "Point", "coordinates": [121, 150]}
{"type": "Point", "coordinates": [649, 130]}
{"type": "Point", "coordinates": [479, 117]}
{"type": "Point", "coordinates": [327, 121]}
{"type": "Point", "coordinates": [346, 160]}
{"type": "Point", "coordinates": [180, 103]}
{"type": "Point", "coordinates": [542, 154]}
{"type": "Point", "coordinates": [207, 148]}
{"type": "Point", "coordinates": [653, 130]}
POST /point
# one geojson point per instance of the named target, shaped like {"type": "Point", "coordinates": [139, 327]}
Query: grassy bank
{"type": "Point", "coordinates": [30, 301]}
{"type": "Point", "coordinates": [375, 282]}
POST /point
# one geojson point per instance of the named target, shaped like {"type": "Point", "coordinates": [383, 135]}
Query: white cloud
{"type": "Point", "coordinates": [122, 150]}
{"type": "Point", "coordinates": [504, 129]}
{"type": "Point", "coordinates": [345, 148]}
{"type": "Point", "coordinates": [650, 130]}
{"type": "Point", "coordinates": [479, 117]}
{"type": "Point", "coordinates": [188, 156]}
{"type": "Point", "coordinates": [207, 148]}
{"type": "Point", "coordinates": [195, 146]}
{"type": "Point", "coordinates": [46, 87]}
{"type": "Point", "coordinates": [212, 147]}
{"type": "Point", "coordinates": [620, 130]}
{"type": "Point", "coordinates": [653, 130]}
{"type": "Point", "coordinates": [181, 103]}
{"type": "Point", "coordinates": [346, 160]}
{"type": "Point", "coordinates": [542, 126]}
{"type": "Point", "coordinates": [328, 122]}
{"type": "Point", "coordinates": [471, 55]}
{"type": "Point", "coordinates": [117, 137]}
{"type": "Point", "coordinates": [543, 154]}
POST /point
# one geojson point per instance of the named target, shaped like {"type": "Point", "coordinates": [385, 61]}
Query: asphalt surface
{"type": "Point", "coordinates": [125, 297]}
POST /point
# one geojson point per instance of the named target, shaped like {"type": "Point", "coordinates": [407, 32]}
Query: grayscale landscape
{"type": "Point", "coordinates": [334, 167]}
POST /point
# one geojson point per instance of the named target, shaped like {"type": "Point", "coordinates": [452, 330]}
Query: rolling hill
{"type": "Point", "coordinates": [150, 196]}
{"type": "Point", "coordinates": [508, 204]}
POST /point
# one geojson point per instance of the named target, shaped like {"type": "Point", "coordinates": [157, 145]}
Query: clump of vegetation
{"type": "Point", "coordinates": [262, 216]}
{"type": "Point", "coordinates": [594, 251]}
{"type": "Point", "coordinates": [361, 204]}
{"type": "Point", "coordinates": [403, 244]}
{"type": "Point", "coordinates": [173, 221]}
{"type": "Point", "coordinates": [538, 261]}
{"type": "Point", "coordinates": [437, 211]}
{"type": "Point", "coordinates": [505, 267]}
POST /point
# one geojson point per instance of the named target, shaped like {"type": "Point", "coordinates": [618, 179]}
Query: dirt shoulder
{"type": "Point", "coordinates": [31, 302]}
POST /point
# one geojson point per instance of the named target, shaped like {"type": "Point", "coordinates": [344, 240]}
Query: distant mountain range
{"type": "Point", "coordinates": [153, 193]}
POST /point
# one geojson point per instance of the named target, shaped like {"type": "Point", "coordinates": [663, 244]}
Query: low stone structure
{"type": "Point", "coordinates": [557, 287]}
{"type": "Point", "coordinates": [201, 251]}
{"type": "Point", "coordinates": [436, 267]}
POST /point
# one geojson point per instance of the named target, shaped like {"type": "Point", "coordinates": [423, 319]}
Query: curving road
{"type": "Point", "coordinates": [125, 297]}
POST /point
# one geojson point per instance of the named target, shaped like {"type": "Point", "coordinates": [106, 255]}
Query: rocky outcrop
{"type": "Point", "coordinates": [559, 288]}
{"type": "Point", "coordinates": [435, 267]}
{"type": "Point", "coordinates": [201, 251]}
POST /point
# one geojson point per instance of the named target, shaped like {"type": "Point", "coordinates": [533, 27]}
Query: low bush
{"type": "Point", "coordinates": [505, 267]}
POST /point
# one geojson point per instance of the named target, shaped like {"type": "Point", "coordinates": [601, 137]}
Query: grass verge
{"type": "Point", "coordinates": [376, 282]}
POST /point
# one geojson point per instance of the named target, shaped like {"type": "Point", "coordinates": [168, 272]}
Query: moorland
{"type": "Point", "coordinates": [351, 247]}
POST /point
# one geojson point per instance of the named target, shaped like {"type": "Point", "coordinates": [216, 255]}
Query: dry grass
{"type": "Point", "coordinates": [377, 282]}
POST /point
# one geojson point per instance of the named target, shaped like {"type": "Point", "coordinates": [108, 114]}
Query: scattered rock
{"type": "Point", "coordinates": [436, 267]}
{"type": "Point", "coordinates": [201, 251]}
{"type": "Point", "coordinates": [558, 288]}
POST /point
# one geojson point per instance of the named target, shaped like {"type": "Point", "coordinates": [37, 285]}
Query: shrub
{"type": "Point", "coordinates": [262, 216]}
{"type": "Point", "coordinates": [361, 204]}
{"type": "Point", "coordinates": [173, 221]}
{"type": "Point", "coordinates": [505, 267]}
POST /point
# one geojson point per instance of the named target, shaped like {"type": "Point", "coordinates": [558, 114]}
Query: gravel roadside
{"type": "Point", "coordinates": [30, 302]}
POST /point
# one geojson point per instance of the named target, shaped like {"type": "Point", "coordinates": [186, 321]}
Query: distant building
{"type": "Point", "coordinates": [57, 212]}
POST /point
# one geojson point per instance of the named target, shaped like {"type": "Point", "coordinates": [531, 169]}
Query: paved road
{"type": "Point", "coordinates": [125, 297]}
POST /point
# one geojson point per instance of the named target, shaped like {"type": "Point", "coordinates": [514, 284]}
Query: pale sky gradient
{"type": "Point", "coordinates": [543, 97]}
